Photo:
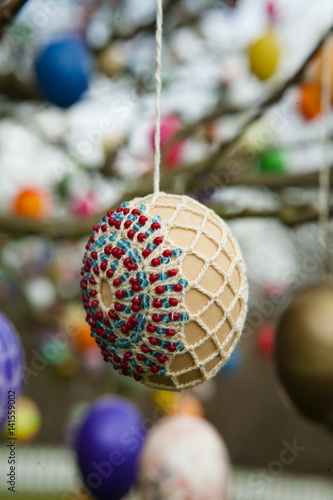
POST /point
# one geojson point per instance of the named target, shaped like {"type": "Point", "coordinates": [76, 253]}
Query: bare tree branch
{"type": "Point", "coordinates": [227, 148]}
{"type": "Point", "coordinates": [8, 11]}
{"type": "Point", "coordinates": [289, 215]}
{"type": "Point", "coordinates": [215, 161]}
{"type": "Point", "coordinates": [190, 177]}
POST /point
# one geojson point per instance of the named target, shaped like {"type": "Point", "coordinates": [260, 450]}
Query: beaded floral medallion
{"type": "Point", "coordinates": [137, 332]}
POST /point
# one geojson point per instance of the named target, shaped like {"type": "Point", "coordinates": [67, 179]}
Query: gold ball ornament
{"type": "Point", "coordinates": [165, 291]}
{"type": "Point", "coordinates": [112, 60]}
{"type": "Point", "coordinates": [304, 352]}
{"type": "Point", "coordinates": [264, 56]}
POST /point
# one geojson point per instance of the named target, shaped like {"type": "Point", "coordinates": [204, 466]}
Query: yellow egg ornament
{"type": "Point", "coordinates": [165, 292]}
{"type": "Point", "coordinates": [28, 421]}
{"type": "Point", "coordinates": [177, 403]}
{"type": "Point", "coordinates": [264, 55]}
{"type": "Point", "coordinates": [166, 401]}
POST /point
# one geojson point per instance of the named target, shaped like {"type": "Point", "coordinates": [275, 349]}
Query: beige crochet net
{"type": "Point", "coordinates": [216, 298]}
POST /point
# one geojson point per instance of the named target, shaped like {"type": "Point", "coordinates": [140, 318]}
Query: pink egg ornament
{"type": "Point", "coordinates": [84, 204]}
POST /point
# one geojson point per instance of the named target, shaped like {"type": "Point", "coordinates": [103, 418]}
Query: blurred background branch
{"type": "Point", "coordinates": [8, 10]}
{"type": "Point", "coordinates": [289, 215]}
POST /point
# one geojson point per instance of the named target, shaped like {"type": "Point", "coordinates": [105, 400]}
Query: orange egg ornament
{"type": "Point", "coordinates": [74, 325]}
{"type": "Point", "coordinates": [316, 69]}
{"type": "Point", "coordinates": [189, 405]}
{"type": "Point", "coordinates": [83, 339]}
{"type": "Point", "coordinates": [33, 203]}
{"type": "Point", "coordinates": [310, 100]}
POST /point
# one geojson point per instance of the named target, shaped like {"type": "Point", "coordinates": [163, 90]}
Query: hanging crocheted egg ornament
{"type": "Point", "coordinates": [304, 352]}
{"type": "Point", "coordinates": [165, 291]}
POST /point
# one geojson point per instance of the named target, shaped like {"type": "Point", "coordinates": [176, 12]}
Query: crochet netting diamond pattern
{"type": "Point", "coordinates": [201, 301]}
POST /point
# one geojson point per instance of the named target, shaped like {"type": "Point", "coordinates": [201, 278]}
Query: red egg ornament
{"type": "Point", "coordinates": [265, 338]}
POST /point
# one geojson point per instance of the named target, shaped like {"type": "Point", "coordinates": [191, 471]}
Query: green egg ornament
{"type": "Point", "coordinates": [272, 162]}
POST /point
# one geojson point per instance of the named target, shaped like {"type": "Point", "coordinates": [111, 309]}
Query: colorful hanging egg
{"type": "Point", "coordinates": [265, 56]}
{"type": "Point", "coordinates": [304, 352]}
{"type": "Point", "coordinates": [265, 338]}
{"type": "Point", "coordinates": [54, 352]}
{"type": "Point", "coordinates": [165, 291]}
{"type": "Point", "coordinates": [166, 401]}
{"type": "Point", "coordinates": [189, 405]}
{"type": "Point", "coordinates": [273, 162]}
{"type": "Point", "coordinates": [316, 69]}
{"type": "Point", "coordinates": [310, 100]}
{"type": "Point", "coordinates": [11, 368]}
{"type": "Point", "coordinates": [76, 328]}
{"type": "Point", "coordinates": [32, 202]}
{"type": "Point", "coordinates": [28, 421]}
{"type": "Point", "coordinates": [184, 458]}
{"type": "Point", "coordinates": [63, 70]}
{"type": "Point", "coordinates": [108, 442]}
{"type": "Point", "coordinates": [113, 59]}
{"type": "Point", "coordinates": [83, 204]}
{"type": "Point", "coordinates": [234, 363]}
{"type": "Point", "coordinates": [273, 11]}
{"type": "Point", "coordinates": [178, 403]}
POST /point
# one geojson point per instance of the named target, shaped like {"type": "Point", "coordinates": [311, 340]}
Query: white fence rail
{"type": "Point", "coordinates": [42, 470]}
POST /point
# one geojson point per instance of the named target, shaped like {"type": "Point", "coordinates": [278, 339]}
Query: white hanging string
{"type": "Point", "coordinates": [159, 45]}
{"type": "Point", "coordinates": [324, 174]}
